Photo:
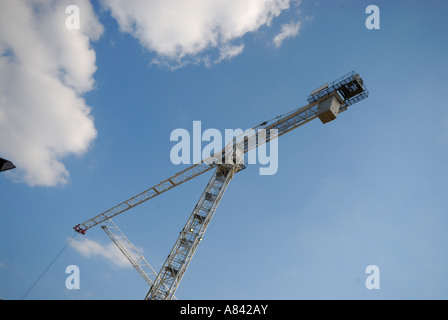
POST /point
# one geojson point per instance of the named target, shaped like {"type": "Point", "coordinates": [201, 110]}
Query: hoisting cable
{"type": "Point", "coordinates": [49, 266]}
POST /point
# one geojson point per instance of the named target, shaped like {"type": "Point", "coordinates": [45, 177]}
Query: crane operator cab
{"type": "Point", "coordinates": [334, 97]}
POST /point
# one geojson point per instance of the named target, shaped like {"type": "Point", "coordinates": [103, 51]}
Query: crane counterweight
{"type": "Point", "coordinates": [328, 108]}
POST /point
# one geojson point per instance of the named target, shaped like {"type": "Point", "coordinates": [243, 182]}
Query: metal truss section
{"type": "Point", "coordinates": [293, 120]}
{"type": "Point", "coordinates": [191, 235]}
{"type": "Point", "coordinates": [264, 133]}
{"type": "Point", "coordinates": [168, 184]}
{"type": "Point", "coordinates": [130, 251]}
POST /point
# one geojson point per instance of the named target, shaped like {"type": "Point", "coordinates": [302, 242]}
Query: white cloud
{"type": "Point", "coordinates": [44, 70]}
{"type": "Point", "coordinates": [180, 31]}
{"type": "Point", "coordinates": [229, 51]}
{"type": "Point", "coordinates": [89, 248]}
{"type": "Point", "coordinates": [288, 30]}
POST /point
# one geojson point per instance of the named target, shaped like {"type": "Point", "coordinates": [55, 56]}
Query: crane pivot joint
{"type": "Point", "coordinates": [79, 229]}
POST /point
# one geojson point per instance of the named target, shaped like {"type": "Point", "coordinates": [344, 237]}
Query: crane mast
{"type": "Point", "coordinates": [191, 235]}
{"type": "Point", "coordinates": [326, 103]}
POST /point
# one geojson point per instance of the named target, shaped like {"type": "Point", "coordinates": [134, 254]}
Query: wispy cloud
{"type": "Point", "coordinates": [89, 248]}
{"type": "Point", "coordinates": [288, 30]}
{"type": "Point", "coordinates": [229, 51]}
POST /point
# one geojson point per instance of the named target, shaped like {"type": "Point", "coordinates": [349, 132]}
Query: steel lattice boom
{"type": "Point", "coordinates": [154, 191]}
{"type": "Point", "coordinates": [131, 252]}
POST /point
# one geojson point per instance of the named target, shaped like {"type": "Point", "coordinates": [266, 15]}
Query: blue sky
{"type": "Point", "coordinates": [366, 189]}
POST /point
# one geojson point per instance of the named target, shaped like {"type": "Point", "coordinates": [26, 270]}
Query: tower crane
{"type": "Point", "coordinates": [326, 103]}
